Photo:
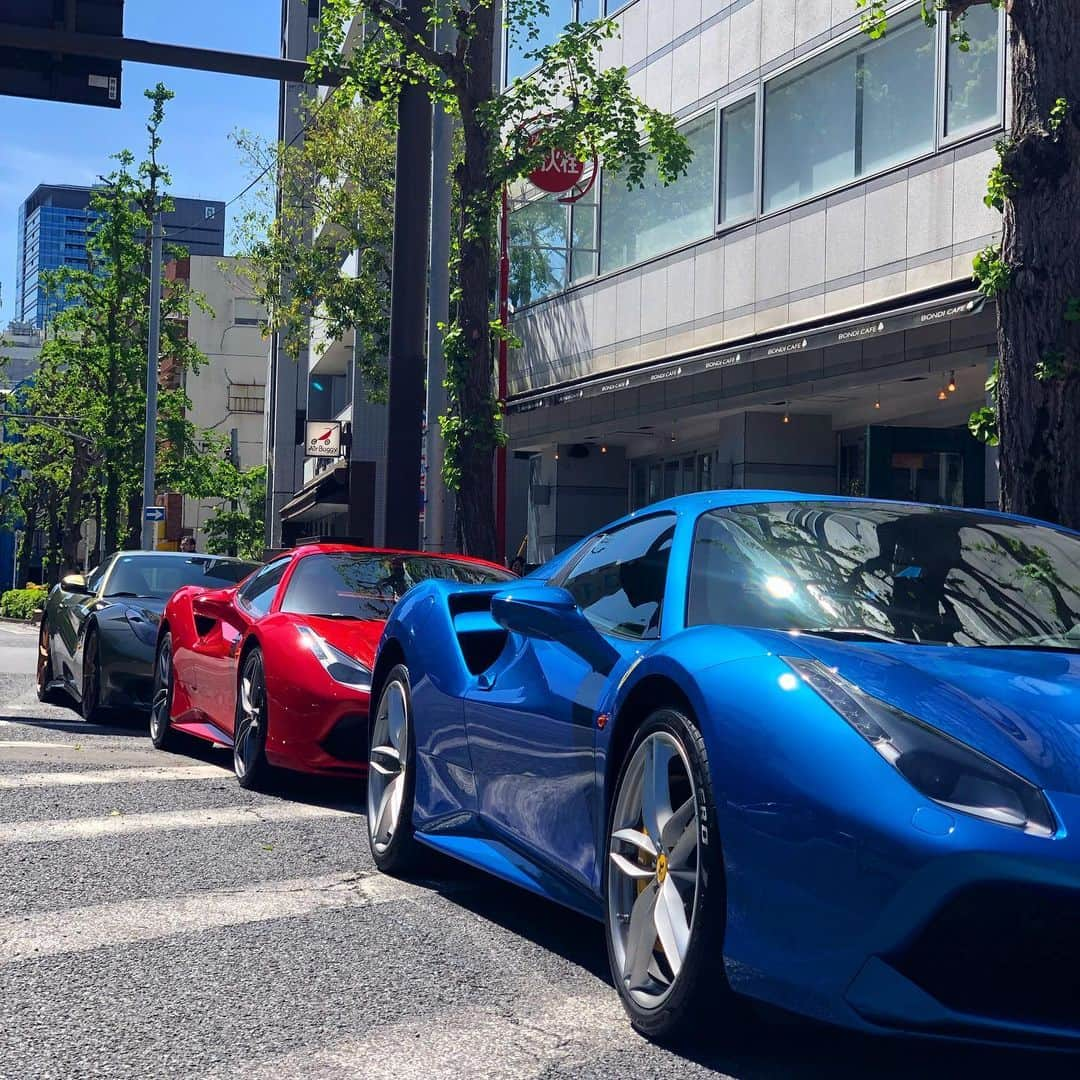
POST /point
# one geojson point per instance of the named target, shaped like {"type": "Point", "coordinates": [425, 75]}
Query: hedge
{"type": "Point", "coordinates": [23, 603]}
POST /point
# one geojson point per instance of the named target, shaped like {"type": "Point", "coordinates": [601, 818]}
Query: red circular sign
{"type": "Point", "coordinates": [558, 172]}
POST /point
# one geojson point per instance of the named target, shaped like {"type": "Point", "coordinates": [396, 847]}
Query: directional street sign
{"type": "Point", "coordinates": [154, 513]}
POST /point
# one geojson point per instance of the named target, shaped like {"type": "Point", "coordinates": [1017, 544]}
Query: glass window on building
{"type": "Point", "coordinates": [738, 153]}
{"type": "Point", "coordinates": [973, 78]}
{"type": "Point", "coordinates": [539, 250]}
{"type": "Point", "coordinates": [857, 111]}
{"type": "Point", "coordinates": [584, 219]}
{"type": "Point", "coordinates": [641, 223]}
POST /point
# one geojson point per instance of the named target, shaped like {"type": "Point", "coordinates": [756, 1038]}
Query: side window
{"type": "Point", "coordinates": [258, 594]}
{"type": "Point", "coordinates": [619, 582]}
{"type": "Point", "coordinates": [97, 575]}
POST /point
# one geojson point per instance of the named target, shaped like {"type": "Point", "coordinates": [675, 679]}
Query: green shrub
{"type": "Point", "coordinates": [23, 603]}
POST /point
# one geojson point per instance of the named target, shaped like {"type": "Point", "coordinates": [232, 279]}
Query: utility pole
{"type": "Point", "coordinates": [152, 350]}
{"type": "Point", "coordinates": [405, 407]}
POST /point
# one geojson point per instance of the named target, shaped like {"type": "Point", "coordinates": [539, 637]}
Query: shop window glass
{"type": "Point", "coordinates": [973, 77]}
{"type": "Point", "coordinates": [737, 156]}
{"type": "Point", "coordinates": [538, 250]}
{"type": "Point", "coordinates": [854, 113]}
{"type": "Point", "coordinates": [640, 223]}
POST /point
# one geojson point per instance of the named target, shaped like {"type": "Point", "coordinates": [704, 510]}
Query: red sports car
{"type": "Point", "coordinates": [279, 666]}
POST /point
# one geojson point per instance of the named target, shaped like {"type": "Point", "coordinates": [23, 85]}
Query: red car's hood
{"type": "Point", "coordinates": [354, 637]}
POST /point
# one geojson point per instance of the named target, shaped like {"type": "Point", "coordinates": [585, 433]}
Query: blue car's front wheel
{"type": "Point", "coordinates": [664, 881]}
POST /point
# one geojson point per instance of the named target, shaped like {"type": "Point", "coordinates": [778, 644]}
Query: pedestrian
{"type": "Point", "coordinates": [187, 543]}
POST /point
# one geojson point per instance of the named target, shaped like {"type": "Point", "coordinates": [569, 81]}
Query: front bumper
{"type": "Point", "coordinates": [998, 959]}
{"type": "Point", "coordinates": [972, 934]}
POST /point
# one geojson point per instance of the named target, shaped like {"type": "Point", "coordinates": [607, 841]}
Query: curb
{"type": "Point", "coordinates": [35, 621]}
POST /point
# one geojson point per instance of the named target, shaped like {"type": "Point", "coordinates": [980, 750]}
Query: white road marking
{"type": "Point", "coordinates": [153, 918]}
{"type": "Point", "coordinates": [19, 631]}
{"type": "Point", "coordinates": [39, 832]}
{"type": "Point", "coordinates": [521, 1044]}
{"type": "Point", "coordinates": [112, 776]}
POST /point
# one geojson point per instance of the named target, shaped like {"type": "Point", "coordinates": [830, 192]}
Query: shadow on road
{"type": "Point", "coordinates": [762, 1044]}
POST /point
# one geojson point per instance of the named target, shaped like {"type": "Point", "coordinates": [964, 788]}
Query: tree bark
{"type": "Point", "coordinates": [1040, 420]}
{"type": "Point", "coordinates": [73, 507]}
{"type": "Point", "coordinates": [476, 228]}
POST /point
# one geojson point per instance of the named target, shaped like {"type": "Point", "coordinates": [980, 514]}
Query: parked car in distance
{"type": "Point", "coordinates": [279, 669]}
{"type": "Point", "coordinates": [815, 751]}
{"type": "Point", "coordinates": [99, 632]}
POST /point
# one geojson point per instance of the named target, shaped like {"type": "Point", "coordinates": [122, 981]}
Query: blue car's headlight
{"type": "Point", "coordinates": [144, 625]}
{"type": "Point", "coordinates": [339, 666]}
{"type": "Point", "coordinates": [949, 772]}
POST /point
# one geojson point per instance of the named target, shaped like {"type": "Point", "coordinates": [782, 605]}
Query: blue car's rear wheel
{"type": "Point", "coordinates": [392, 778]}
{"type": "Point", "coordinates": [665, 882]}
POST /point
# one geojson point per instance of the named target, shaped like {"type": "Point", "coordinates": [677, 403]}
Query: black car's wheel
{"type": "Point", "coordinates": [47, 693]}
{"type": "Point", "coordinates": [162, 734]}
{"type": "Point", "coordinates": [392, 779]}
{"type": "Point", "coordinates": [92, 710]}
{"type": "Point", "coordinates": [249, 731]}
{"type": "Point", "coordinates": [664, 883]}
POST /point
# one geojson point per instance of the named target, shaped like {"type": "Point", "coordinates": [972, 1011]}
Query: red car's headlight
{"type": "Point", "coordinates": [339, 666]}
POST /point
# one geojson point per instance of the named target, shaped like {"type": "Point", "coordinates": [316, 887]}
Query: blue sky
{"type": "Point", "coordinates": [51, 143]}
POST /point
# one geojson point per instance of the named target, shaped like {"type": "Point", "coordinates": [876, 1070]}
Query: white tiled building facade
{"type": "Point", "coordinates": [792, 311]}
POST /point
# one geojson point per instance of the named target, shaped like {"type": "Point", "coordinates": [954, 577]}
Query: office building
{"type": "Point", "coordinates": [798, 311]}
{"type": "Point", "coordinates": [52, 233]}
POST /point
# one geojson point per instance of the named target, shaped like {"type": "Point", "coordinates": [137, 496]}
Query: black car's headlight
{"type": "Point", "coordinates": [144, 625]}
{"type": "Point", "coordinates": [941, 768]}
{"type": "Point", "coordinates": [339, 666]}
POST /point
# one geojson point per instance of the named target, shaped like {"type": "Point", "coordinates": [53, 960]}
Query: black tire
{"type": "Point", "coordinates": [47, 695]}
{"type": "Point", "coordinates": [162, 733]}
{"type": "Point", "coordinates": [252, 770]}
{"type": "Point", "coordinates": [93, 712]}
{"type": "Point", "coordinates": [397, 852]}
{"type": "Point", "coordinates": [698, 998]}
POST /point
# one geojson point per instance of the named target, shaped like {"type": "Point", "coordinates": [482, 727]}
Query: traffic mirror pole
{"type": "Point", "coordinates": [152, 351]}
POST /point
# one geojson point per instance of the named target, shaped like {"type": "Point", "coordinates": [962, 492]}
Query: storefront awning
{"type": "Point", "coordinates": [324, 493]}
{"type": "Point", "coordinates": [818, 336]}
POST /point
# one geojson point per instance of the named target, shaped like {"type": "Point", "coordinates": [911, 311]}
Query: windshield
{"type": "Point", "coordinates": [159, 576]}
{"type": "Point", "coordinates": [918, 574]}
{"type": "Point", "coordinates": [367, 585]}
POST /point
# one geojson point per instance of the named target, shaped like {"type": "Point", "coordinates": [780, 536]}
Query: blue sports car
{"type": "Point", "coordinates": [815, 751]}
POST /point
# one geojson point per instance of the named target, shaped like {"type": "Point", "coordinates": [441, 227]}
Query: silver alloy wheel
{"type": "Point", "coordinates": [252, 716]}
{"type": "Point", "coordinates": [653, 869]}
{"type": "Point", "coordinates": [162, 703]}
{"type": "Point", "coordinates": [386, 768]}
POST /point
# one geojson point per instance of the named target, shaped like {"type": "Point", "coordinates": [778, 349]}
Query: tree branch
{"type": "Point", "coordinates": [391, 17]}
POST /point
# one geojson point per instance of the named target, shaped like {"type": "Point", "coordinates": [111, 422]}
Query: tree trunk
{"type": "Point", "coordinates": [73, 510]}
{"type": "Point", "coordinates": [26, 545]}
{"type": "Point", "coordinates": [1040, 420]}
{"type": "Point", "coordinates": [475, 398]}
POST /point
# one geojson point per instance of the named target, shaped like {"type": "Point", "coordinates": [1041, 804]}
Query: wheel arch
{"type": "Point", "coordinates": [391, 653]}
{"type": "Point", "coordinates": [646, 696]}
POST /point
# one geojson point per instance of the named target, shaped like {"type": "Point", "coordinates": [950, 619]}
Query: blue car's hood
{"type": "Point", "coordinates": [1021, 708]}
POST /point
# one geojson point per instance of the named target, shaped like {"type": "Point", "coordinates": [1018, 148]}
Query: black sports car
{"type": "Point", "coordinates": [99, 632]}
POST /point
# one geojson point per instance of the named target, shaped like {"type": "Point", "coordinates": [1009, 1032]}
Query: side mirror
{"type": "Point", "coordinates": [74, 583]}
{"type": "Point", "coordinates": [550, 613]}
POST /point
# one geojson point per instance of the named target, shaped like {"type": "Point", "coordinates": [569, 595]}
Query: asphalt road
{"type": "Point", "coordinates": [157, 921]}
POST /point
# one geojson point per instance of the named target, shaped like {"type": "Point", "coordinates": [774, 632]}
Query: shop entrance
{"type": "Point", "coordinates": [933, 465]}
